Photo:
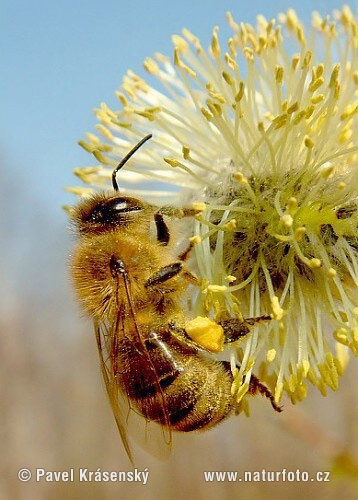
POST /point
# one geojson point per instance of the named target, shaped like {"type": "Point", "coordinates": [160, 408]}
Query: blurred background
{"type": "Point", "coordinates": [59, 61]}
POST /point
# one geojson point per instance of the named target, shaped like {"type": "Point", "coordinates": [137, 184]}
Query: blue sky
{"type": "Point", "coordinates": [61, 59]}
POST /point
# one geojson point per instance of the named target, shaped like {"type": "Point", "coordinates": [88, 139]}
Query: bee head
{"type": "Point", "coordinates": [102, 213]}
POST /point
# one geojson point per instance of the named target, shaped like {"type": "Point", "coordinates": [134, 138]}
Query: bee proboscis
{"type": "Point", "coordinates": [132, 284]}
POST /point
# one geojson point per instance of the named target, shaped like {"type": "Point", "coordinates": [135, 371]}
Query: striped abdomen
{"type": "Point", "coordinates": [196, 390]}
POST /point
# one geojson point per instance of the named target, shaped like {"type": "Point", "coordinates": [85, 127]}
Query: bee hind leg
{"type": "Point", "coordinates": [235, 328]}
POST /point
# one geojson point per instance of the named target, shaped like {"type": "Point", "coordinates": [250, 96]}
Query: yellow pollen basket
{"type": "Point", "coordinates": [206, 333]}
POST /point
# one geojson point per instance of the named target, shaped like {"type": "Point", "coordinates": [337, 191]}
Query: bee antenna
{"type": "Point", "coordinates": [126, 158]}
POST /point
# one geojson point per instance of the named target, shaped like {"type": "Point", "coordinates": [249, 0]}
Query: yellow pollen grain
{"type": "Point", "coordinates": [345, 135]}
{"type": "Point", "coordinates": [316, 99]}
{"type": "Point", "coordinates": [219, 97]}
{"type": "Point", "coordinates": [200, 206]}
{"type": "Point", "coordinates": [305, 366]}
{"type": "Point", "coordinates": [337, 93]}
{"type": "Point", "coordinates": [230, 61]}
{"type": "Point", "coordinates": [314, 263]}
{"type": "Point", "coordinates": [195, 239]}
{"type": "Point", "coordinates": [270, 355]}
{"type": "Point", "coordinates": [99, 156]}
{"type": "Point", "coordinates": [309, 143]}
{"type": "Point", "coordinates": [230, 278]}
{"type": "Point", "coordinates": [287, 220]}
{"type": "Point", "coordinates": [327, 172]}
{"type": "Point", "coordinates": [291, 109]}
{"type": "Point", "coordinates": [180, 43]}
{"type": "Point", "coordinates": [232, 48]}
{"type": "Point", "coordinates": [85, 146]}
{"type": "Point", "coordinates": [340, 336]}
{"type": "Point", "coordinates": [346, 16]}
{"type": "Point", "coordinates": [276, 308]}
{"type": "Point", "coordinates": [172, 162]}
{"type": "Point", "coordinates": [107, 110]}
{"type": "Point", "coordinates": [240, 93]}
{"type": "Point", "coordinates": [238, 176]}
{"type": "Point", "coordinates": [334, 77]}
{"type": "Point", "coordinates": [292, 205]}
{"type": "Point", "coordinates": [206, 333]}
{"type": "Point", "coordinates": [186, 152]}
{"type": "Point", "coordinates": [319, 70]}
{"type": "Point", "coordinates": [279, 74]}
{"type": "Point", "coordinates": [292, 382]}
{"type": "Point", "coordinates": [349, 111]}
{"type": "Point", "coordinates": [249, 53]}
{"type": "Point", "coordinates": [227, 78]}
{"type": "Point", "coordinates": [307, 59]}
{"type": "Point", "coordinates": [301, 35]}
{"type": "Point", "coordinates": [332, 272]}
{"type": "Point", "coordinates": [280, 121]}
{"type": "Point", "coordinates": [299, 117]}
{"type": "Point", "coordinates": [231, 225]}
{"type": "Point", "coordinates": [122, 98]}
{"type": "Point", "coordinates": [151, 66]}
{"type": "Point", "coordinates": [207, 114]}
{"type": "Point", "coordinates": [294, 62]}
{"type": "Point", "coordinates": [316, 84]}
{"type": "Point", "coordinates": [214, 108]}
{"type": "Point", "coordinates": [309, 111]}
{"type": "Point", "coordinates": [215, 45]}
{"type": "Point", "coordinates": [341, 185]}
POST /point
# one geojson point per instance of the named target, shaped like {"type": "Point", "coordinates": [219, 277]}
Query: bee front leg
{"type": "Point", "coordinates": [163, 234]}
{"type": "Point", "coordinates": [178, 213]}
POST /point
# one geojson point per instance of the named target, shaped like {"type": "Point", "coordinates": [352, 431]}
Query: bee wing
{"type": "Point", "coordinates": [119, 402]}
{"type": "Point", "coordinates": [149, 435]}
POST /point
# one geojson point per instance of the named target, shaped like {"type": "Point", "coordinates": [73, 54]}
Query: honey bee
{"type": "Point", "coordinates": [130, 282]}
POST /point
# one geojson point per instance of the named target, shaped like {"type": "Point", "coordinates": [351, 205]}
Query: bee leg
{"type": "Point", "coordinates": [183, 256]}
{"type": "Point", "coordinates": [165, 273]}
{"type": "Point", "coordinates": [235, 328]}
{"type": "Point", "coordinates": [256, 387]}
{"type": "Point", "coordinates": [163, 234]}
{"type": "Point", "coordinates": [178, 213]}
{"type": "Point", "coordinates": [190, 277]}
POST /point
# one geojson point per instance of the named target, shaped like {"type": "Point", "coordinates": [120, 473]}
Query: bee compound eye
{"type": "Point", "coordinates": [114, 210]}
